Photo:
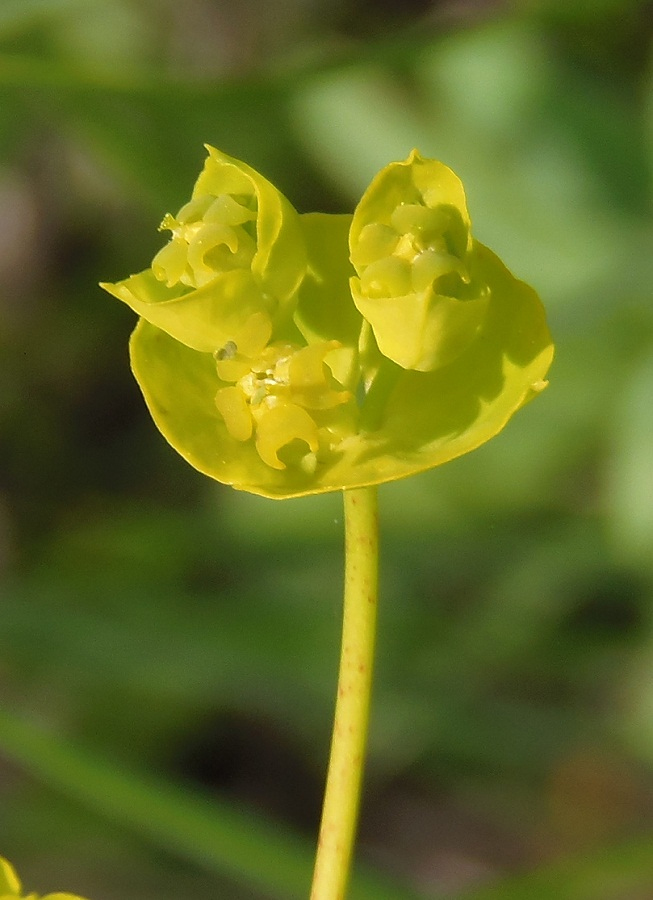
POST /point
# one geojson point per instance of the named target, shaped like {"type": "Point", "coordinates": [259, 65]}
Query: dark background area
{"type": "Point", "coordinates": [174, 630]}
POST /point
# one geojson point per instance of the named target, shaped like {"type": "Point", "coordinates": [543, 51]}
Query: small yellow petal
{"type": "Point", "coordinates": [254, 335]}
{"type": "Point", "coordinates": [228, 211]}
{"type": "Point", "coordinates": [279, 425]}
{"type": "Point", "coordinates": [309, 377]}
{"type": "Point", "coordinates": [192, 211]}
{"type": "Point", "coordinates": [169, 264]}
{"type": "Point", "coordinates": [429, 265]}
{"type": "Point", "coordinates": [232, 406]}
{"type": "Point", "coordinates": [413, 217]}
{"type": "Point", "coordinates": [375, 242]}
{"type": "Point", "coordinates": [389, 277]}
{"type": "Point", "coordinates": [9, 880]}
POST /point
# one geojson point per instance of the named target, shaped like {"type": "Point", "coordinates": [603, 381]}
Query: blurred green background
{"type": "Point", "coordinates": [168, 647]}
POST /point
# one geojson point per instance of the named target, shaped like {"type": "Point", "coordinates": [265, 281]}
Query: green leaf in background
{"type": "Point", "coordinates": [609, 873]}
{"type": "Point", "coordinates": [214, 835]}
{"type": "Point", "coordinates": [353, 122]}
{"type": "Point", "coordinates": [16, 15]}
{"type": "Point", "coordinates": [631, 469]}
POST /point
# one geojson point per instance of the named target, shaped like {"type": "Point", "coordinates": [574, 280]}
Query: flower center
{"type": "Point", "coordinates": [412, 251]}
{"type": "Point", "coordinates": [285, 398]}
{"type": "Point", "coordinates": [209, 235]}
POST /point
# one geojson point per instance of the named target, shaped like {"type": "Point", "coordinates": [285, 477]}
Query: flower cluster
{"type": "Point", "coordinates": [412, 249]}
{"type": "Point", "coordinates": [290, 354]}
{"type": "Point", "coordinates": [11, 888]}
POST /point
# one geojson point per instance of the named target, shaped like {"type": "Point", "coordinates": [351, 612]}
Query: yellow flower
{"type": "Point", "coordinates": [236, 252]}
{"type": "Point", "coordinates": [284, 395]}
{"type": "Point", "coordinates": [303, 354]}
{"type": "Point", "coordinates": [420, 284]}
{"type": "Point", "coordinates": [11, 888]}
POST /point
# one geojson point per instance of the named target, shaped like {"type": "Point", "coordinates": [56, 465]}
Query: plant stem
{"type": "Point", "coordinates": [343, 788]}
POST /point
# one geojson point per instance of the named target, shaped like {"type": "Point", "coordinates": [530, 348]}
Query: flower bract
{"type": "Point", "coordinates": [233, 262]}
{"type": "Point", "coordinates": [420, 282]}
{"type": "Point", "coordinates": [289, 354]}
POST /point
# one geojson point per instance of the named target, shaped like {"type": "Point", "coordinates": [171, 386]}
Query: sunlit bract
{"type": "Point", "coordinates": [290, 354]}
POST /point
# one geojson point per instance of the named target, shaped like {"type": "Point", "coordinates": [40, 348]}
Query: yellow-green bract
{"type": "Point", "coordinates": [11, 888]}
{"type": "Point", "coordinates": [289, 354]}
{"type": "Point", "coordinates": [423, 286]}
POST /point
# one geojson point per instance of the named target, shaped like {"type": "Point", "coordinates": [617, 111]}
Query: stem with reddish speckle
{"type": "Point", "coordinates": [343, 788]}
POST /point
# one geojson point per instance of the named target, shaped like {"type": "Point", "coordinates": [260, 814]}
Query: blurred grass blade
{"type": "Point", "coordinates": [631, 468]}
{"type": "Point", "coordinates": [16, 15]}
{"type": "Point", "coordinates": [614, 873]}
{"type": "Point", "coordinates": [211, 834]}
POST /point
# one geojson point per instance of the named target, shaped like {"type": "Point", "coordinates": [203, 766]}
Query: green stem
{"type": "Point", "coordinates": [343, 788]}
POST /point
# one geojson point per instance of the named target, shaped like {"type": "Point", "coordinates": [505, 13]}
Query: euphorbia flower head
{"type": "Point", "coordinates": [290, 354]}
{"type": "Point", "coordinates": [232, 266]}
{"type": "Point", "coordinates": [419, 283]}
